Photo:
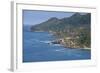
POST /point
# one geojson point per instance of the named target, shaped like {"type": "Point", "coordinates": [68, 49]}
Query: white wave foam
{"type": "Point", "coordinates": [46, 42]}
{"type": "Point", "coordinates": [56, 44]}
{"type": "Point", "coordinates": [60, 50]}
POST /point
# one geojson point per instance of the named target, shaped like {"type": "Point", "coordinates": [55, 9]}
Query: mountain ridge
{"type": "Point", "coordinates": [74, 31]}
{"type": "Point", "coordinates": [74, 20]}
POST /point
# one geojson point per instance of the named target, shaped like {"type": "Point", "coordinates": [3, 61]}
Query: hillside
{"type": "Point", "coordinates": [77, 27]}
{"type": "Point", "coordinates": [60, 24]}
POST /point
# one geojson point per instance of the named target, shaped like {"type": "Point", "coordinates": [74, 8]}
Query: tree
{"type": "Point", "coordinates": [84, 38]}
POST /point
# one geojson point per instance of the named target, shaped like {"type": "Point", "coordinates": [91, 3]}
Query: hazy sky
{"type": "Point", "coordinates": [31, 17]}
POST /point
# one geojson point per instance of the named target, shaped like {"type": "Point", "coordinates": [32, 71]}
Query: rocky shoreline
{"type": "Point", "coordinates": [68, 43]}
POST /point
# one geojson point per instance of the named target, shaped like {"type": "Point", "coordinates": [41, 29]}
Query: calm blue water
{"type": "Point", "coordinates": [37, 49]}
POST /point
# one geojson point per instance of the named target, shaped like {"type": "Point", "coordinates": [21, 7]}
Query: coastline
{"type": "Point", "coordinates": [65, 42]}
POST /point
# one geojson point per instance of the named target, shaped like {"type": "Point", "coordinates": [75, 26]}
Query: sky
{"type": "Point", "coordinates": [33, 17]}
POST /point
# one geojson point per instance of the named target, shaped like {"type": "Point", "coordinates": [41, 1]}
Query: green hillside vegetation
{"type": "Point", "coordinates": [73, 31]}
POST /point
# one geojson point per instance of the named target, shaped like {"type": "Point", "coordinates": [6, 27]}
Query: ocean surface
{"type": "Point", "coordinates": [37, 48]}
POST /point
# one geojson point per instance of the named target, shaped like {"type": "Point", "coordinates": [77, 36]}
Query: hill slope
{"type": "Point", "coordinates": [77, 27]}
{"type": "Point", "coordinates": [56, 24]}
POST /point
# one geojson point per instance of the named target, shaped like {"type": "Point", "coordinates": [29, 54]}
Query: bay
{"type": "Point", "coordinates": [37, 48]}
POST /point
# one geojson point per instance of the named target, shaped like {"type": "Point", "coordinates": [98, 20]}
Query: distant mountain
{"type": "Point", "coordinates": [26, 27]}
{"type": "Point", "coordinates": [55, 24]}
